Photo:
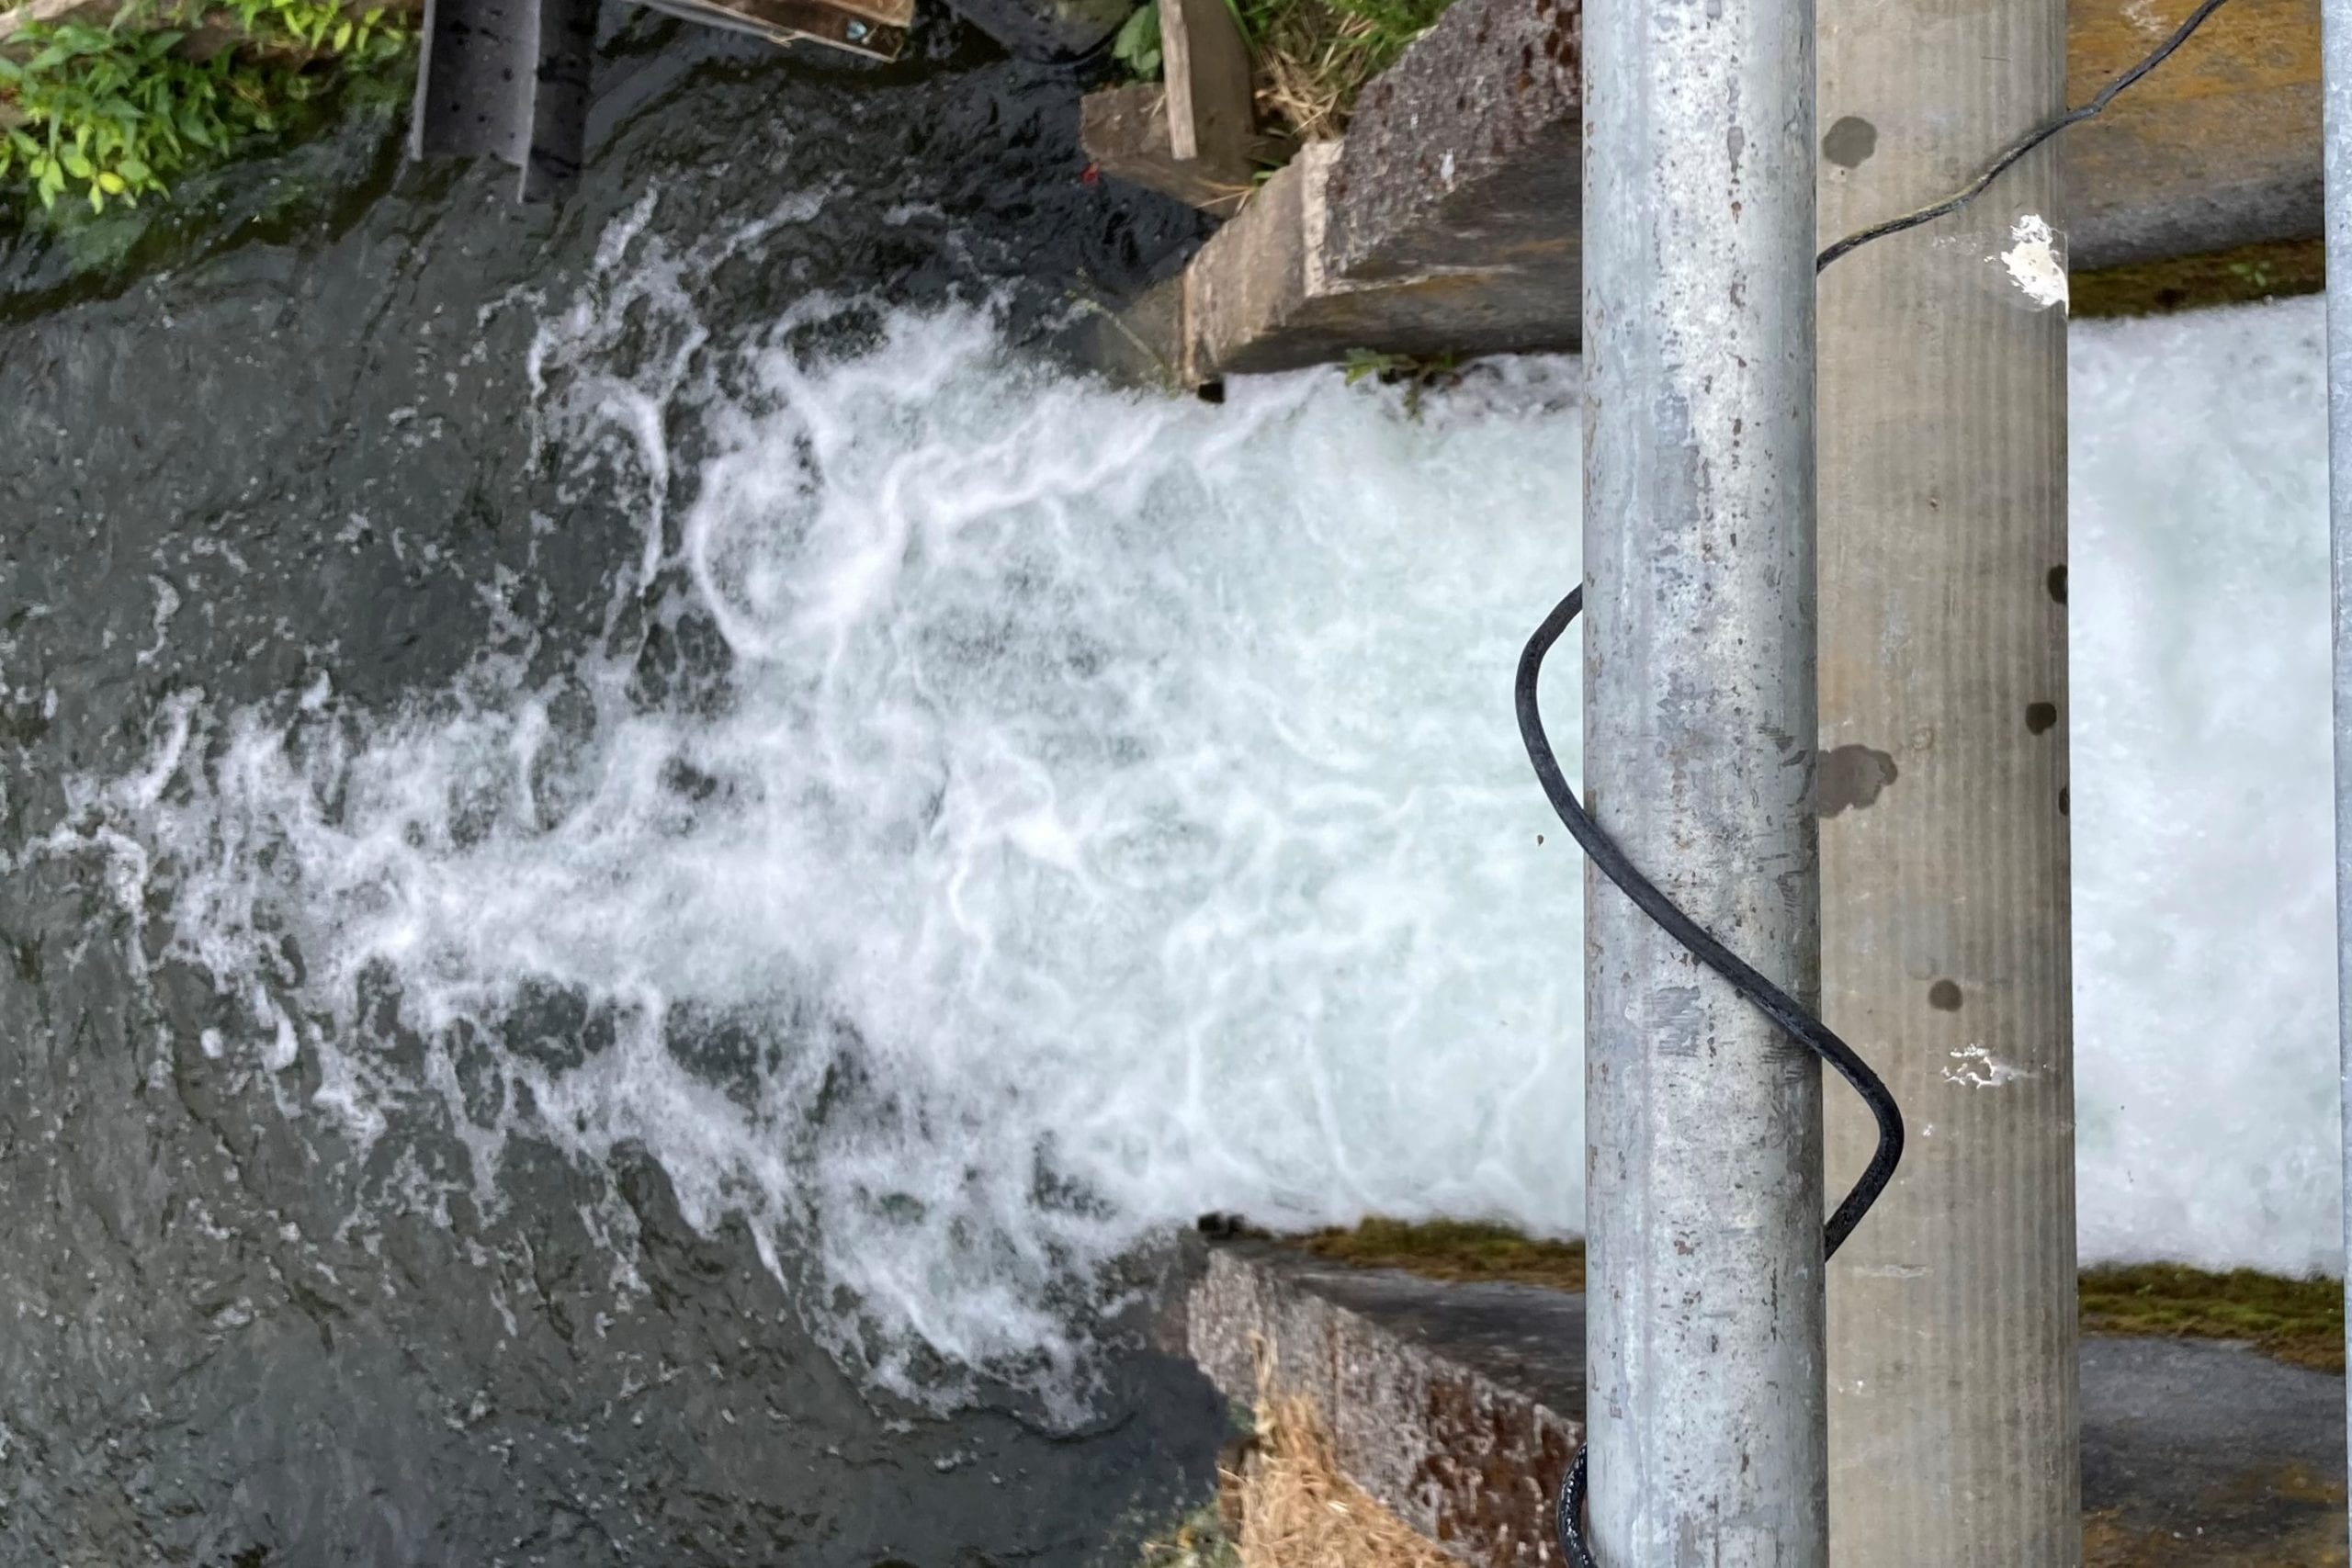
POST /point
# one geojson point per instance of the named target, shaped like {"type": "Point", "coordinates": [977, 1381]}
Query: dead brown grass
{"type": "Point", "coordinates": [1298, 1511]}
{"type": "Point", "coordinates": [1310, 68]}
{"type": "Point", "coordinates": [1315, 56]}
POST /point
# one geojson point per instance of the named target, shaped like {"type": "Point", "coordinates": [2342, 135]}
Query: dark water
{"type": "Point", "coordinates": [289, 416]}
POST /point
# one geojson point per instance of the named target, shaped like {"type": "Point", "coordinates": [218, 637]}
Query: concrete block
{"type": "Point", "coordinates": [1468, 153]}
{"type": "Point", "coordinates": [1443, 1402]}
{"type": "Point", "coordinates": [2218, 147]}
{"type": "Point", "coordinates": [1262, 294]}
{"type": "Point", "coordinates": [1447, 224]}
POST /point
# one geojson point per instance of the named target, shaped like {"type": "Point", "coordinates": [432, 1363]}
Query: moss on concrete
{"type": "Point", "coordinates": [2238, 277]}
{"type": "Point", "coordinates": [2299, 1322]}
{"type": "Point", "coordinates": [2285, 1516]}
{"type": "Point", "coordinates": [2108, 1543]}
{"type": "Point", "coordinates": [1200, 1540]}
{"type": "Point", "coordinates": [1454, 1249]}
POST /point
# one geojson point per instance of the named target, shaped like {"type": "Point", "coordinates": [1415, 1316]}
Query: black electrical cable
{"type": "Point", "coordinates": [2020, 147]}
{"type": "Point", "coordinates": [1770, 999]}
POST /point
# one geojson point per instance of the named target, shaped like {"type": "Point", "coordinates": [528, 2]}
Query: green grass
{"type": "Point", "coordinates": [2297, 1321]}
{"type": "Point", "coordinates": [1316, 56]}
{"type": "Point", "coordinates": [1312, 57]}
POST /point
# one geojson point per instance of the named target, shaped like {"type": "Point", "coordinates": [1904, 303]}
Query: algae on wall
{"type": "Point", "coordinates": [2272, 269]}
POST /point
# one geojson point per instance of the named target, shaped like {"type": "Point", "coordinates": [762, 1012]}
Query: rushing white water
{"type": "Point", "coordinates": [2204, 912]}
{"type": "Point", "coordinates": [1114, 813]}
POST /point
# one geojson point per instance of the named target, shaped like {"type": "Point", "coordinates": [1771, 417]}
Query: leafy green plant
{"type": "Point", "coordinates": [1415, 375]}
{"type": "Point", "coordinates": [321, 27]}
{"type": "Point", "coordinates": [2253, 273]}
{"type": "Point", "coordinates": [1137, 44]}
{"type": "Point", "coordinates": [108, 114]}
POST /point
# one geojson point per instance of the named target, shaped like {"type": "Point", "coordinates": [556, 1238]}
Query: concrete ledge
{"type": "Point", "coordinates": [1449, 221]}
{"type": "Point", "coordinates": [1264, 294]}
{"type": "Point", "coordinates": [1441, 1401]}
{"type": "Point", "coordinates": [1446, 223]}
{"type": "Point", "coordinates": [2218, 147]}
{"type": "Point", "coordinates": [1459, 1406]}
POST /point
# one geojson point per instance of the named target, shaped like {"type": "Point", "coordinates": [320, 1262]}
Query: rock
{"type": "Point", "coordinates": [1046, 29]}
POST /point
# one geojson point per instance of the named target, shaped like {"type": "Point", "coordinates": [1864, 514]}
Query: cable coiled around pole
{"type": "Point", "coordinates": [1770, 999]}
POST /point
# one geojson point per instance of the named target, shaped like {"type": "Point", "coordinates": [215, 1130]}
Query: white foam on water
{"type": "Point", "coordinates": [1114, 813]}
{"type": "Point", "coordinates": [2205, 959]}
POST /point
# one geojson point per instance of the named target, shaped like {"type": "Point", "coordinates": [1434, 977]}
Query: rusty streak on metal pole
{"type": "Point", "coordinates": [1954, 1434]}
{"type": "Point", "coordinates": [1705, 1201]}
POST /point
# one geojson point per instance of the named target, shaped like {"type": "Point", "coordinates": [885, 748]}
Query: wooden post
{"type": "Point", "coordinates": [1944, 930]}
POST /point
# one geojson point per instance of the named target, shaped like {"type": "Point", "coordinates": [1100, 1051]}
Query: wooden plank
{"type": "Point", "coordinates": [1211, 100]}
{"type": "Point", "coordinates": [852, 25]}
{"type": "Point", "coordinates": [1125, 132]}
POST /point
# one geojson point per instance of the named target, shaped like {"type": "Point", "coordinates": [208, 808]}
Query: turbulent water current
{"type": "Point", "coordinates": [647, 851]}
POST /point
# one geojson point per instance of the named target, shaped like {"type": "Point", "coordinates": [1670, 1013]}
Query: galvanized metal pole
{"type": "Point", "coordinates": [1704, 1196]}
{"type": "Point", "coordinates": [2336, 23]}
{"type": "Point", "coordinates": [1953, 1414]}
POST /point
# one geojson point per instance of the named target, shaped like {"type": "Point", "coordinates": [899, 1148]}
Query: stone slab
{"type": "Point", "coordinates": [1128, 134]}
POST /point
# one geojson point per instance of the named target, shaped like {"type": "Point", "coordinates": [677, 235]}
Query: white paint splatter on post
{"type": "Point", "coordinates": [2033, 261]}
{"type": "Point", "coordinates": [1979, 1069]}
